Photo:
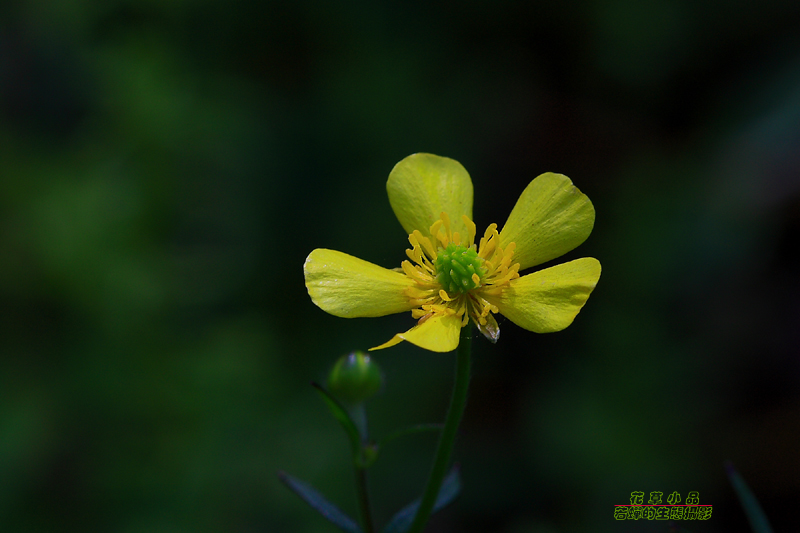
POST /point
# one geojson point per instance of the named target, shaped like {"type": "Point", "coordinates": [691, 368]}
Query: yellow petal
{"type": "Point", "coordinates": [349, 287]}
{"type": "Point", "coordinates": [421, 186]}
{"type": "Point", "coordinates": [551, 218]}
{"type": "Point", "coordinates": [437, 334]}
{"type": "Point", "coordinates": [549, 300]}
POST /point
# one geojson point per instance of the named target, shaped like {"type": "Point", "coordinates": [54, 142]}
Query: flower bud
{"type": "Point", "coordinates": [355, 378]}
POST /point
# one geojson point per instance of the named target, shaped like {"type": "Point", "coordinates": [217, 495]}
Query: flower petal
{"type": "Point", "coordinates": [551, 218]}
{"type": "Point", "coordinates": [421, 186]}
{"type": "Point", "coordinates": [548, 300]}
{"type": "Point", "coordinates": [439, 333]}
{"type": "Point", "coordinates": [491, 330]}
{"type": "Point", "coordinates": [350, 287]}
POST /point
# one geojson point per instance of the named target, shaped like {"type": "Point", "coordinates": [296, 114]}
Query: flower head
{"type": "Point", "coordinates": [450, 279]}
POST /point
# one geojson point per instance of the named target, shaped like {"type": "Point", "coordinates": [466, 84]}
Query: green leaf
{"type": "Point", "coordinates": [450, 488]}
{"type": "Point", "coordinates": [341, 414]}
{"type": "Point", "coordinates": [752, 509]}
{"type": "Point", "coordinates": [318, 502]}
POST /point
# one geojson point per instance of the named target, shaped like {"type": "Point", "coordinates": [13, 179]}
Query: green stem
{"type": "Point", "coordinates": [358, 414]}
{"type": "Point", "coordinates": [457, 404]}
{"type": "Point", "coordinates": [363, 500]}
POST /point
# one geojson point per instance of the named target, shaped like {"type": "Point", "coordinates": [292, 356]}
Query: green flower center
{"type": "Point", "coordinates": [455, 267]}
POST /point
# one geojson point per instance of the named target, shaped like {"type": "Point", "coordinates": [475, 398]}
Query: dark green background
{"type": "Point", "coordinates": [166, 166]}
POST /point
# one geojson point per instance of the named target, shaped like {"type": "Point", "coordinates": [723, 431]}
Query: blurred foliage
{"type": "Point", "coordinates": [165, 168]}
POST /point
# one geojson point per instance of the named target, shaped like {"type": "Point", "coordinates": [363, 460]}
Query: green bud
{"type": "Point", "coordinates": [355, 378]}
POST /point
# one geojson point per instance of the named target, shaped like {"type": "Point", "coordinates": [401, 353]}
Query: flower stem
{"type": "Point", "coordinates": [363, 500]}
{"type": "Point", "coordinates": [359, 416]}
{"type": "Point", "coordinates": [454, 413]}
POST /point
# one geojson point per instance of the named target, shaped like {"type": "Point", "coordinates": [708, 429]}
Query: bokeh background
{"type": "Point", "coordinates": [165, 168]}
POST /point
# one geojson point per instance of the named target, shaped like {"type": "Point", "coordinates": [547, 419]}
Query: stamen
{"type": "Point", "coordinates": [426, 245]}
{"type": "Point", "coordinates": [493, 290]}
{"type": "Point", "coordinates": [470, 230]}
{"type": "Point", "coordinates": [435, 228]}
{"type": "Point", "coordinates": [511, 274]}
{"type": "Point", "coordinates": [446, 221]}
{"type": "Point", "coordinates": [414, 273]}
{"type": "Point", "coordinates": [418, 313]}
{"type": "Point", "coordinates": [414, 254]}
{"type": "Point", "coordinates": [488, 242]}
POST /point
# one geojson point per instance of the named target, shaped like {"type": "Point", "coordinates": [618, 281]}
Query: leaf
{"type": "Point", "coordinates": [450, 488]}
{"type": "Point", "coordinates": [318, 502]}
{"type": "Point", "coordinates": [755, 514]}
{"type": "Point", "coordinates": [341, 414]}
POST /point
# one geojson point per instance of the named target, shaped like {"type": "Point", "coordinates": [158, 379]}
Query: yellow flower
{"type": "Point", "coordinates": [448, 280]}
